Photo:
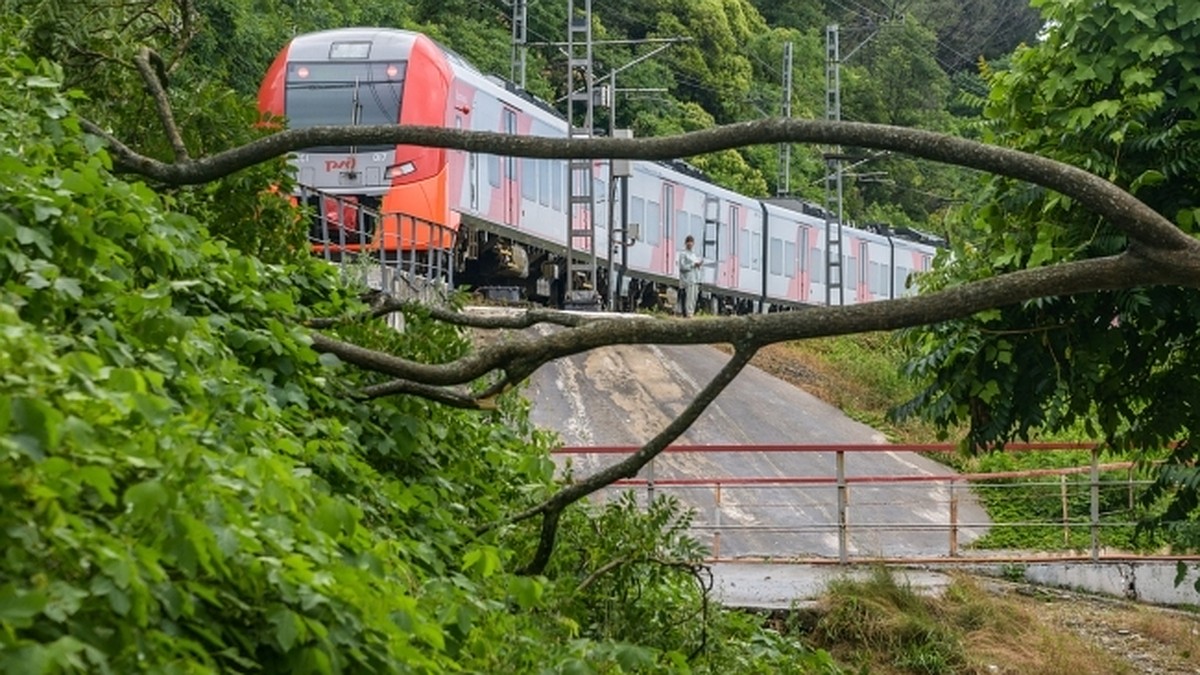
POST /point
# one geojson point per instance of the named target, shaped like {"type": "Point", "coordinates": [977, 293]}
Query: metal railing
{"type": "Point", "coordinates": [390, 250]}
{"type": "Point", "coordinates": [843, 515]}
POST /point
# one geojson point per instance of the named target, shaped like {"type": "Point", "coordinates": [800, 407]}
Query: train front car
{"type": "Point", "coordinates": [383, 199]}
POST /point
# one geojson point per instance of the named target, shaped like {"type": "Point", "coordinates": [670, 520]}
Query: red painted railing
{"type": "Point", "coordinates": [958, 484]}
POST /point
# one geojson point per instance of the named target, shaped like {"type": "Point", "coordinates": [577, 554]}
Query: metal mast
{"type": "Point", "coordinates": [520, 36]}
{"type": "Point", "coordinates": [785, 149]}
{"type": "Point", "coordinates": [834, 291]}
{"type": "Point", "coordinates": [581, 200]}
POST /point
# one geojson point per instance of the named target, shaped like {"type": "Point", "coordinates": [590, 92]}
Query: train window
{"type": "Point", "coordinates": [850, 280]}
{"type": "Point", "coordinates": [637, 214]}
{"type": "Point", "coordinates": [654, 229]}
{"type": "Point", "coordinates": [557, 178]}
{"type": "Point", "coordinates": [344, 93]}
{"type": "Point", "coordinates": [493, 163]}
{"type": "Point", "coordinates": [528, 179]}
{"type": "Point", "coordinates": [816, 266]}
{"type": "Point", "coordinates": [744, 247]}
{"type": "Point", "coordinates": [698, 232]}
{"type": "Point", "coordinates": [600, 194]}
{"type": "Point", "coordinates": [681, 227]}
{"type": "Point", "coordinates": [755, 250]}
{"type": "Point", "coordinates": [776, 258]}
{"type": "Point", "coordinates": [545, 167]}
{"type": "Point", "coordinates": [789, 259]}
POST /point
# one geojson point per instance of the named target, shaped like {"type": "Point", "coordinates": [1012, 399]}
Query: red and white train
{"type": "Point", "coordinates": [505, 217]}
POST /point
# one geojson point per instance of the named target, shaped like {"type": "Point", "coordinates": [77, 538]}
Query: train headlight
{"type": "Point", "coordinates": [397, 170]}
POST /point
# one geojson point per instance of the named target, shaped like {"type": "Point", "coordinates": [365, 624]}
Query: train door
{"type": "Point", "coordinates": [711, 238]}
{"type": "Point", "coordinates": [472, 173]}
{"type": "Point", "coordinates": [511, 181]}
{"type": "Point", "coordinates": [729, 270]}
{"type": "Point", "coordinates": [472, 177]}
{"type": "Point", "coordinates": [802, 262]}
{"type": "Point", "coordinates": [668, 221]}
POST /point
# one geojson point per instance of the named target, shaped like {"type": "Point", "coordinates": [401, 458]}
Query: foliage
{"type": "Point", "coordinates": [880, 620]}
{"type": "Point", "coordinates": [1110, 91]}
{"type": "Point", "coordinates": [189, 488]}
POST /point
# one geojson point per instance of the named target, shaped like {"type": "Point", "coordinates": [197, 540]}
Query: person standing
{"type": "Point", "coordinates": [689, 275]}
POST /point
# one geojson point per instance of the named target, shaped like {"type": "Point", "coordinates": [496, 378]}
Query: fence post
{"type": "Point", "coordinates": [953, 521]}
{"type": "Point", "coordinates": [1096, 504]}
{"type": "Point", "coordinates": [1066, 512]}
{"type": "Point", "coordinates": [843, 556]}
{"type": "Point", "coordinates": [716, 552]}
{"type": "Point", "coordinates": [650, 484]}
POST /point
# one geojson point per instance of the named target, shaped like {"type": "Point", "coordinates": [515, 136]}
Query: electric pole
{"type": "Point", "coordinates": [520, 36]}
{"type": "Point", "coordinates": [785, 149]}
{"type": "Point", "coordinates": [833, 174]}
{"type": "Point", "coordinates": [580, 290]}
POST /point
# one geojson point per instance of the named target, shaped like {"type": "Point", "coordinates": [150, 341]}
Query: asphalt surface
{"type": "Point", "coordinates": [624, 395]}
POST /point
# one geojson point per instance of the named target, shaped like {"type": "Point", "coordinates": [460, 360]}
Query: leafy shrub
{"type": "Point", "coordinates": [188, 487]}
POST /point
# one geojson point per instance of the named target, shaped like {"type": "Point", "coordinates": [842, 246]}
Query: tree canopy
{"type": "Point", "coordinates": [1110, 90]}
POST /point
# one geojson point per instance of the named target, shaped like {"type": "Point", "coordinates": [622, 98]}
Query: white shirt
{"type": "Point", "coordinates": [689, 272]}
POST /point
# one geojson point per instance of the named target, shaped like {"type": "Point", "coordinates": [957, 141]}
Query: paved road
{"type": "Point", "coordinates": [624, 395]}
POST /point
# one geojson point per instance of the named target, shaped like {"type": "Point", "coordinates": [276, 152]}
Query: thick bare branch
{"type": "Point", "coordinates": [153, 75]}
{"type": "Point", "coordinates": [1139, 221]}
{"type": "Point", "coordinates": [524, 354]}
{"type": "Point", "coordinates": [552, 508]}
{"type": "Point", "coordinates": [498, 321]}
{"type": "Point", "coordinates": [443, 395]}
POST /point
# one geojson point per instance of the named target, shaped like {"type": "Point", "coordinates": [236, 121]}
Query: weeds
{"type": "Point", "coordinates": [879, 625]}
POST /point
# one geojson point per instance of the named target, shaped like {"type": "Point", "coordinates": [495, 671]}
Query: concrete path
{"type": "Point", "coordinates": [623, 395]}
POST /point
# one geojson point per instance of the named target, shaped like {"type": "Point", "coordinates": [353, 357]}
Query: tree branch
{"type": "Point", "coordinates": [525, 354]}
{"type": "Point", "coordinates": [1138, 220]}
{"type": "Point", "coordinates": [443, 395]}
{"type": "Point", "coordinates": [510, 320]}
{"type": "Point", "coordinates": [552, 508]}
{"type": "Point", "coordinates": [157, 87]}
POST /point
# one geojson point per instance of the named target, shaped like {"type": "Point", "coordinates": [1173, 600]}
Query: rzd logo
{"type": "Point", "coordinates": [346, 164]}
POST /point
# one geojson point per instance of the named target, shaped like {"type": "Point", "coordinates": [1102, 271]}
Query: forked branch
{"type": "Point", "coordinates": [154, 73]}
{"type": "Point", "coordinates": [552, 508]}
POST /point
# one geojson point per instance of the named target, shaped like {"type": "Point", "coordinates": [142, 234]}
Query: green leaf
{"type": "Point", "coordinates": [633, 658]}
{"type": "Point", "coordinates": [64, 600]}
{"type": "Point", "coordinates": [69, 286]}
{"type": "Point", "coordinates": [101, 481]}
{"type": "Point", "coordinates": [526, 591]}
{"type": "Point", "coordinates": [145, 499]}
{"type": "Point", "coordinates": [18, 607]}
{"type": "Point", "coordinates": [288, 627]}
{"type": "Point", "coordinates": [35, 425]}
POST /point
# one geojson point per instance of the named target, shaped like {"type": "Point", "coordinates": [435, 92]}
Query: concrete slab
{"type": "Point", "coordinates": [771, 586]}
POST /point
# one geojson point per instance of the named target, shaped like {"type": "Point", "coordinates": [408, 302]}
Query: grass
{"type": "Point", "coordinates": [881, 626]}
{"type": "Point", "coordinates": [862, 376]}
{"type": "Point", "coordinates": [1176, 630]}
{"type": "Point", "coordinates": [858, 374]}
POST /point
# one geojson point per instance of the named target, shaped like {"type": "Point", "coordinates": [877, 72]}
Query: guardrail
{"type": "Point", "coordinates": [400, 249]}
{"type": "Point", "coordinates": [942, 495]}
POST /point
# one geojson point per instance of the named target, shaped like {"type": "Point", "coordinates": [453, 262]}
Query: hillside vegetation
{"type": "Point", "coordinates": [187, 487]}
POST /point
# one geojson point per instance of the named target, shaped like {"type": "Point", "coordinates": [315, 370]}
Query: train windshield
{"type": "Point", "coordinates": [343, 94]}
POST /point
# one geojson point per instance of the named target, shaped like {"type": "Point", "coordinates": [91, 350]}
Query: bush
{"type": "Point", "coordinates": [188, 487]}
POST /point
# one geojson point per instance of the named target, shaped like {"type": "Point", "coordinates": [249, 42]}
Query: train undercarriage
{"type": "Point", "coordinates": [500, 268]}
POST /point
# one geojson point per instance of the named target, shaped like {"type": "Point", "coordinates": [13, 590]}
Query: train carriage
{"type": "Point", "coordinates": [503, 219]}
